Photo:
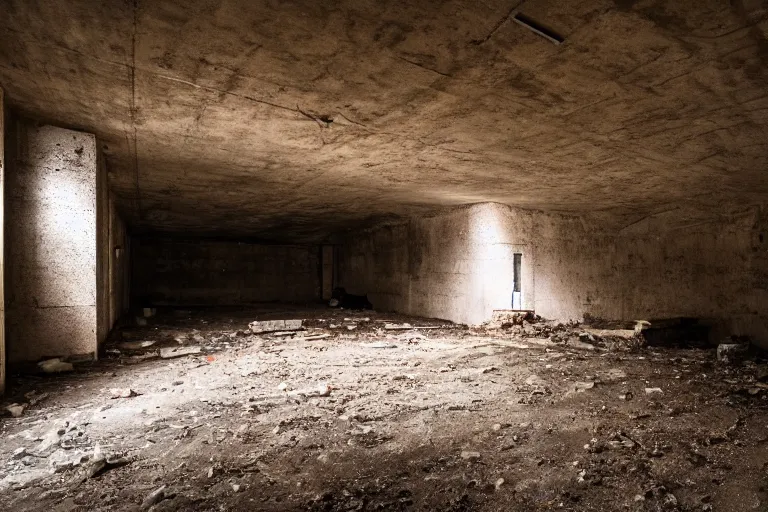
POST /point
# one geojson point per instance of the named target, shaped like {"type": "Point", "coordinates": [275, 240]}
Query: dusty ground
{"type": "Point", "coordinates": [441, 419]}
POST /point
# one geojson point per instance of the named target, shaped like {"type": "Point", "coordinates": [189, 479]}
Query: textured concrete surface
{"type": "Point", "coordinates": [180, 272]}
{"type": "Point", "coordinates": [119, 265]}
{"type": "Point", "coordinates": [2, 241]}
{"type": "Point", "coordinates": [216, 116]}
{"type": "Point", "coordinates": [51, 245]}
{"type": "Point", "coordinates": [458, 265]}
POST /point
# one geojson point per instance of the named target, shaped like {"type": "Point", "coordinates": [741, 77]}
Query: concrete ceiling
{"type": "Point", "coordinates": [293, 120]}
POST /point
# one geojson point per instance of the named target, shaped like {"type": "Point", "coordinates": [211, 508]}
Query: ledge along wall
{"type": "Point", "coordinates": [458, 265]}
{"type": "Point", "coordinates": [169, 271]}
{"type": "Point", "coordinates": [57, 283]}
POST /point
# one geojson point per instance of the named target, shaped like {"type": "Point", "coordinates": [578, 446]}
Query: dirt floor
{"type": "Point", "coordinates": [519, 418]}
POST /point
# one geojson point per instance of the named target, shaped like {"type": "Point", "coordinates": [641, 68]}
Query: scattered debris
{"type": "Point", "coordinates": [265, 326]}
{"type": "Point", "coordinates": [654, 391]}
{"type": "Point", "coordinates": [171, 352]}
{"type": "Point", "coordinates": [378, 344]}
{"type": "Point", "coordinates": [731, 353]}
{"type": "Point", "coordinates": [134, 345]}
{"type": "Point", "coordinates": [406, 326]}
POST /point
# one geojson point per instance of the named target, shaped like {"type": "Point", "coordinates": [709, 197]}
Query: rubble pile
{"type": "Point", "coordinates": [526, 324]}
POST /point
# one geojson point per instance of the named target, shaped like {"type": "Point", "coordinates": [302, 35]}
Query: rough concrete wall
{"type": "Point", "coordinates": [2, 241]}
{"type": "Point", "coordinates": [181, 272]}
{"type": "Point", "coordinates": [102, 250]}
{"type": "Point", "coordinates": [51, 244]}
{"type": "Point", "coordinates": [458, 266]}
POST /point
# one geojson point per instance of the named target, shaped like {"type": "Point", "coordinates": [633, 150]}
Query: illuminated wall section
{"type": "Point", "coordinates": [51, 244]}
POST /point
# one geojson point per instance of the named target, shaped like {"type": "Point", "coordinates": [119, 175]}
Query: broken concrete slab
{"type": "Point", "coordinates": [265, 326]}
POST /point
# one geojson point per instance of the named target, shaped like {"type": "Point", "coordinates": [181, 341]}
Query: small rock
{"type": "Point", "coordinates": [498, 483]}
{"type": "Point", "coordinates": [236, 487]}
{"type": "Point", "coordinates": [134, 345]}
{"type": "Point", "coordinates": [211, 472]}
{"type": "Point", "coordinates": [153, 498]}
{"type": "Point", "coordinates": [466, 455]}
{"type": "Point", "coordinates": [534, 380]}
{"type": "Point", "coordinates": [654, 391]}
{"type": "Point", "coordinates": [496, 427]}
{"type": "Point", "coordinates": [16, 410]}
{"type": "Point", "coordinates": [762, 373]}
{"type": "Point", "coordinates": [626, 396]}
{"type": "Point", "coordinates": [283, 386]}
{"type": "Point", "coordinates": [324, 389]}
{"type": "Point", "coordinates": [731, 353]}
{"type": "Point", "coordinates": [20, 453]}
{"type": "Point", "coordinates": [580, 387]}
{"type": "Point", "coordinates": [55, 365]}
{"type": "Point", "coordinates": [122, 393]}
{"type": "Point", "coordinates": [669, 502]}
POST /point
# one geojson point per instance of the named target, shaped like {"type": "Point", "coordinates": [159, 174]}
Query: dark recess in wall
{"type": "Point", "coordinates": [187, 272]}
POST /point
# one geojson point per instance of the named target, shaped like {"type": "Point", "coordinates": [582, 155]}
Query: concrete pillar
{"type": "Point", "coordinates": [52, 262]}
{"type": "Point", "coordinates": [2, 240]}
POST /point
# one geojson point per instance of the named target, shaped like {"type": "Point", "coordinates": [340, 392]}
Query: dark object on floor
{"type": "Point", "coordinates": [341, 299]}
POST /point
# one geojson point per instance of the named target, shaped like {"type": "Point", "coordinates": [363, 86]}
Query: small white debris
{"type": "Point", "coordinates": [122, 393]}
{"type": "Point", "coordinates": [324, 389]}
{"type": "Point", "coordinates": [466, 455]}
{"type": "Point", "coordinates": [55, 365]}
{"type": "Point", "coordinates": [654, 391]}
{"type": "Point", "coordinates": [236, 487]}
{"type": "Point", "coordinates": [283, 386]}
{"type": "Point", "coordinates": [499, 483]}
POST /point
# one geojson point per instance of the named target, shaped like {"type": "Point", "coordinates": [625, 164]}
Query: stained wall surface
{"type": "Point", "coordinates": [458, 265]}
{"type": "Point", "coordinates": [51, 243]}
{"type": "Point", "coordinates": [181, 272]}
